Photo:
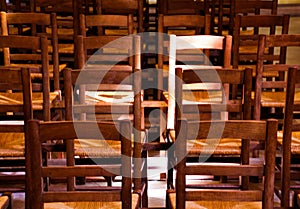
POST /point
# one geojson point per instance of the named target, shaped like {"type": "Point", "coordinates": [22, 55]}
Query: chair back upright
{"type": "Point", "coordinates": [290, 125]}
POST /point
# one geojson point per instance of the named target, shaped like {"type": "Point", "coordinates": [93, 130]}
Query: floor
{"type": "Point", "coordinates": [157, 164]}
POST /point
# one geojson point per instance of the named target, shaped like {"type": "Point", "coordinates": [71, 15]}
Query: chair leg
{"type": "Point", "coordinates": [145, 180]}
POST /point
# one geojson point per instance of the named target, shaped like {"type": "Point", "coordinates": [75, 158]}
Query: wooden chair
{"type": "Point", "coordinates": [210, 102]}
{"type": "Point", "coordinates": [33, 24]}
{"type": "Point", "coordinates": [245, 45]}
{"type": "Point", "coordinates": [270, 95]}
{"type": "Point", "coordinates": [290, 140]}
{"type": "Point", "coordinates": [108, 92]}
{"type": "Point", "coordinates": [67, 14]}
{"type": "Point", "coordinates": [122, 7]}
{"type": "Point", "coordinates": [193, 58]}
{"type": "Point", "coordinates": [215, 197]}
{"type": "Point", "coordinates": [39, 45]}
{"type": "Point", "coordinates": [264, 97]}
{"type": "Point", "coordinates": [253, 7]}
{"type": "Point", "coordinates": [74, 196]}
{"type": "Point", "coordinates": [16, 109]}
{"type": "Point", "coordinates": [178, 25]}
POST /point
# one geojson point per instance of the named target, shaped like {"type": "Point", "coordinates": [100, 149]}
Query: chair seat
{"type": "Point", "coordinates": [224, 146]}
{"type": "Point", "coordinates": [4, 202]}
{"type": "Point", "coordinates": [97, 148]}
{"type": "Point", "coordinates": [17, 99]}
{"type": "Point", "coordinates": [39, 75]}
{"type": "Point", "coordinates": [66, 48]}
{"type": "Point", "coordinates": [109, 96]}
{"type": "Point", "coordinates": [89, 205]}
{"type": "Point", "coordinates": [295, 146]}
{"type": "Point", "coordinates": [12, 145]}
{"type": "Point", "coordinates": [199, 96]}
{"type": "Point", "coordinates": [215, 204]}
{"type": "Point", "coordinates": [182, 32]}
{"type": "Point", "coordinates": [275, 99]}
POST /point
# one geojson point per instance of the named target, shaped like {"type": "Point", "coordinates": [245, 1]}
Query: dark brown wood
{"type": "Point", "coordinates": [266, 131]}
{"type": "Point", "coordinates": [288, 126]}
{"type": "Point", "coordinates": [123, 7]}
{"type": "Point", "coordinates": [190, 7]}
{"type": "Point", "coordinates": [174, 24]}
{"type": "Point", "coordinates": [29, 24]}
{"type": "Point", "coordinates": [109, 80]}
{"type": "Point", "coordinates": [265, 70]}
{"type": "Point", "coordinates": [249, 40]}
{"type": "Point", "coordinates": [19, 81]}
{"type": "Point", "coordinates": [41, 132]}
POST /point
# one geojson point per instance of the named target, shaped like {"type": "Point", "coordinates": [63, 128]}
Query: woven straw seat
{"type": "Point", "coordinates": [295, 146]}
{"type": "Point", "coordinates": [109, 96]}
{"type": "Point", "coordinates": [12, 145]}
{"type": "Point", "coordinates": [99, 148]}
{"type": "Point", "coordinates": [17, 98]}
{"type": "Point", "coordinates": [4, 202]}
{"type": "Point", "coordinates": [216, 204]}
{"type": "Point", "coordinates": [96, 148]}
{"type": "Point", "coordinates": [198, 96]}
{"type": "Point", "coordinates": [222, 147]}
{"type": "Point", "coordinates": [275, 99]}
{"type": "Point", "coordinates": [89, 205]}
{"type": "Point", "coordinates": [39, 75]}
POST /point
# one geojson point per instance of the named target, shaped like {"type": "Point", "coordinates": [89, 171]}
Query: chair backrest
{"type": "Point", "coordinates": [106, 24]}
{"type": "Point", "coordinates": [188, 51]}
{"type": "Point", "coordinates": [245, 45]}
{"type": "Point", "coordinates": [105, 50]}
{"type": "Point", "coordinates": [210, 92]}
{"type": "Point", "coordinates": [251, 7]}
{"type": "Point", "coordinates": [33, 24]}
{"type": "Point", "coordinates": [278, 69]}
{"type": "Point", "coordinates": [16, 96]}
{"type": "Point", "coordinates": [186, 7]}
{"type": "Point", "coordinates": [289, 125]}
{"type": "Point", "coordinates": [179, 24]}
{"type": "Point", "coordinates": [123, 7]}
{"type": "Point", "coordinates": [41, 132]}
{"type": "Point", "coordinates": [15, 6]}
{"type": "Point", "coordinates": [39, 46]}
{"type": "Point", "coordinates": [186, 131]}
